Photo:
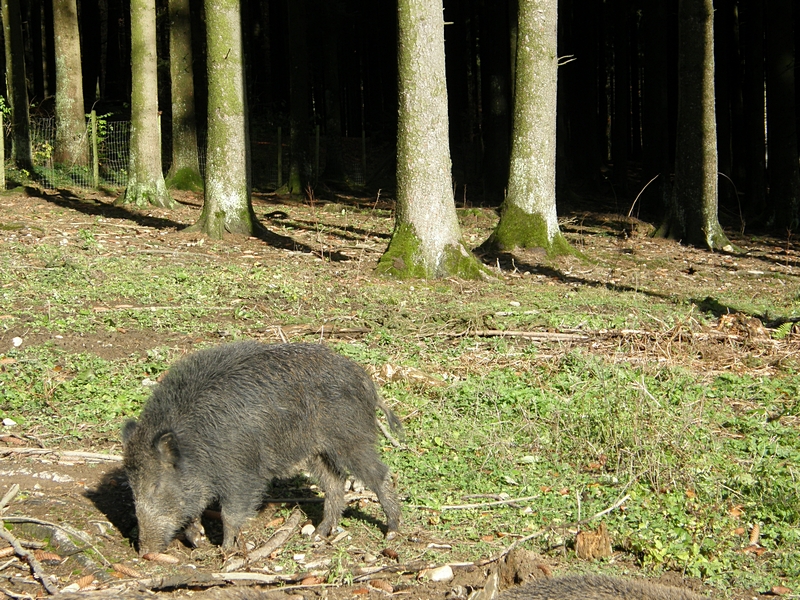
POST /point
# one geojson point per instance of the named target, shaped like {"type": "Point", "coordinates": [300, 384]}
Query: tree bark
{"type": "Point", "coordinates": [146, 184]}
{"type": "Point", "coordinates": [496, 99]}
{"type": "Point", "coordinates": [72, 143]}
{"type": "Point", "coordinates": [227, 207]}
{"type": "Point", "coordinates": [529, 212]}
{"type": "Point", "coordinates": [655, 108]}
{"type": "Point", "coordinates": [298, 96]}
{"type": "Point", "coordinates": [184, 172]}
{"type": "Point", "coordinates": [427, 238]}
{"type": "Point", "coordinates": [782, 166]}
{"type": "Point", "coordinates": [752, 18]}
{"type": "Point", "coordinates": [621, 123]}
{"type": "Point", "coordinates": [693, 215]}
{"type": "Point", "coordinates": [17, 86]}
{"type": "Point", "coordinates": [334, 166]}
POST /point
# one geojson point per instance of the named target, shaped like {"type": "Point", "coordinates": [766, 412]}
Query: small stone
{"type": "Point", "coordinates": [17, 342]}
{"type": "Point", "coordinates": [444, 573]}
{"type": "Point", "coordinates": [514, 303]}
{"type": "Point", "coordinates": [308, 530]}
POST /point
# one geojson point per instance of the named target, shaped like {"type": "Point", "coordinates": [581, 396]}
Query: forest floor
{"type": "Point", "coordinates": [651, 304]}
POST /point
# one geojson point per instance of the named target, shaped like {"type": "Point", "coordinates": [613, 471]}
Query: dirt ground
{"type": "Point", "coordinates": [77, 501]}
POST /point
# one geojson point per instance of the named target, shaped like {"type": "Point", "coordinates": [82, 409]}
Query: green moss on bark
{"type": "Point", "coordinates": [401, 257]}
{"type": "Point", "coordinates": [186, 179]}
{"type": "Point", "coordinates": [519, 229]}
{"type": "Point", "coordinates": [404, 260]}
{"type": "Point", "coordinates": [144, 194]}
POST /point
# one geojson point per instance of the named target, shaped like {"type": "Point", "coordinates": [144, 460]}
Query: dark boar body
{"type": "Point", "coordinates": [225, 421]}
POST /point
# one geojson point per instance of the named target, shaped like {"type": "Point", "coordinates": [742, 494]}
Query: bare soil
{"type": "Point", "coordinates": [67, 492]}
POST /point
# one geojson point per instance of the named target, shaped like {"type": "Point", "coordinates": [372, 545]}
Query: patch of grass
{"type": "Point", "coordinates": [582, 433]}
{"type": "Point", "coordinates": [74, 395]}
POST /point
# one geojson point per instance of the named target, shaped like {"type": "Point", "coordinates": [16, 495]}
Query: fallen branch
{"type": "Point", "coordinates": [366, 573]}
{"type": "Point", "coordinates": [273, 543]}
{"type": "Point", "coordinates": [388, 435]}
{"type": "Point", "coordinates": [532, 335]}
{"type": "Point", "coordinates": [9, 496]}
{"type": "Point", "coordinates": [488, 504]}
{"type": "Point", "coordinates": [62, 453]}
{"type": "Point", "coordinates": [36, 567]}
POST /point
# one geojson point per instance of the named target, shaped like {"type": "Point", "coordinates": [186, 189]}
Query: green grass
{"type": "Point", "coordinates": [703, 456]}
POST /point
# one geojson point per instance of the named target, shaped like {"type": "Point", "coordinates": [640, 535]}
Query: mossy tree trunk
{"type": "Point", "coordinates": [227, 207]}
{"type": "Point", "coordinates": [528, 216]}
{"type": "Point", "coordinates": [72, 143]}
{"type": "Point", "coordinates": [184, 172]}
{"type": "Point", "coordinates": [427, 238]}
{"type": "Point", "coordinates": [17, 86]}
{"type": "Point", "coordinates": [146, 184]}
{"type": "Point", "coordinates": [298, 96]}
{"type": "Point", "coordinates": [782, 152]}
{"type": "Point", "coordinates": [692, 216]}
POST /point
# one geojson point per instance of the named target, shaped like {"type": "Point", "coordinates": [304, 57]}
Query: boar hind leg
{"type": "Point", "coordinates": [331, 480]}
{"type": "Point", "coordinates": [375, 475]}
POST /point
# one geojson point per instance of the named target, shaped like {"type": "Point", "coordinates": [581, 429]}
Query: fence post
{"type": "Point", "coordinates": [95, 157]}
{"type": "Point", "coordinates": [280, 159]}
{"type": "Point", "coordinates": [2, 154]}
{"type": "Point", "coordinates": [316, 157]}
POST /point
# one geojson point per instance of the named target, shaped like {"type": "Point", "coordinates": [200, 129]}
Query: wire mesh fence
{"type": "Point", "coordinates": [108, 166]}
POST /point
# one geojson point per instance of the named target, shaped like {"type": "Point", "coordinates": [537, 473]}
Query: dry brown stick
{"type": "Point", "coordinates": [38, 572]}
{"type": "Point", "coordinates": [487, 504]}
{"type": "Point", "coordinates": [11, 594]}
{"type": "Point", "coordinates": [534, 335]}
{"type": "Point", "coordinates": [64, 453]}
{"type": "Point", "coordinates": [412, 567]}
{"type": "Point", "coordinates": [9, 496]}
{"type": "Point", "coordinates": [273, 543]}
{"type": "Point", "coordinates": [388, 435]}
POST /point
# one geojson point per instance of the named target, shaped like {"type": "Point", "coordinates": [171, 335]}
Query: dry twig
{"type": "Point", "coordinates": [273, 543]}
{"type": "Point", "coordinates": [36, 567]}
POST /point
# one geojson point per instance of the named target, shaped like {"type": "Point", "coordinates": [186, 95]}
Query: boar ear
{"type": "Point", "coordinates": [127, 431]}
{"type": "Point", "coordinates": [167, 447]}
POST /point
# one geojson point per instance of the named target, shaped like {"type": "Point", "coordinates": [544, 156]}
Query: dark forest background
{"type": "Point", "coordinates": [617, 88]}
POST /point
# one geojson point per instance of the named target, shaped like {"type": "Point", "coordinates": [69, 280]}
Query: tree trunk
{"type": "Point", "coordinates": [298, 96]}
{"type": "Point", "coordinates": [184, 173]}
{"type": "Point", "coordinates": [579, 86]}
{"type": "Point", "coordinates": [782, 166]}
{"type": "Point", "coordinates": [427, 238]}
{"type": "Point", "coordinates": [71, 147]}
{"type": "Point", "coordinates": [529, 211]}
{"type": "Point", "coordinates": [693, 216]}
{"type": "Point", "coordinates": [334, 166]}
{"type": "Point", "coordinates": [496, 104]}
{"type": "Point", "coordinates": [17, 86]}
{"type": "Point", "coordinates": [145, 180]}
{"type": "Point", "coordinates": [227, 207]}
{"type": "Point", "coordinates": [724, 87]}
{"type": "Point", "coordinates": [752, 18]}
{"type": "Point", "coordinates": [621, 123]}
{"type": "Point", "coordinates": [655, 108]}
